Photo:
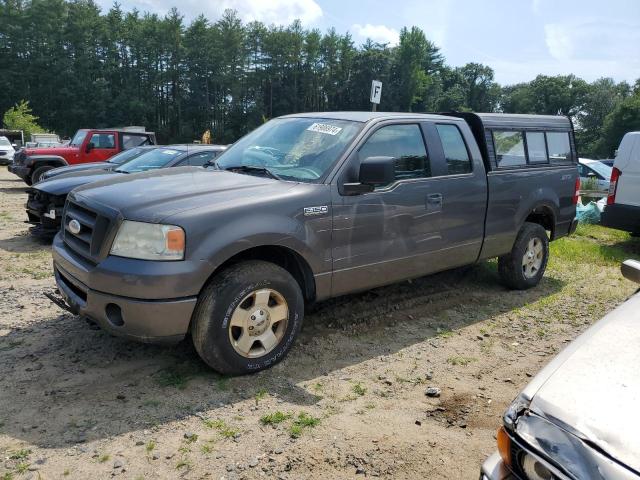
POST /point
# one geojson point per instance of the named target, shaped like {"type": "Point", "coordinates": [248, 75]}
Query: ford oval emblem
{"type": "Point", "coordinates": [74, 226]}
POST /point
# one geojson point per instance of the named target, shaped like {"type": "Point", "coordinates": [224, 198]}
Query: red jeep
{"type": "Point", "coordinates": [86, 146]}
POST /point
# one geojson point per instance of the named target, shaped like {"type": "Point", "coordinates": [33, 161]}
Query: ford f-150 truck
{"type": "Point", "coordinates": [86, 146]}
{"type": "Point", "coordinates": [308, 207]}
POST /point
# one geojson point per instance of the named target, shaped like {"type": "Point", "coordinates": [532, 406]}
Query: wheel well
{"type": "Point", "coordinates": [284, 257]}
{"type": "Point", "coordinates": [543, 216]}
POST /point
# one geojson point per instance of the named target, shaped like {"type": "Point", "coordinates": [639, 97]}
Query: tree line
{"type": "Point", "coordinates": [80, 67]}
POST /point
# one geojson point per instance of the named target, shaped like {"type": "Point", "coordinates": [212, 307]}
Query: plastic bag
{"type": "Point", "coordinates": [589, 213]}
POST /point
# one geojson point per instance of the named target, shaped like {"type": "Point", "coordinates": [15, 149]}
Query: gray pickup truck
{"type": "Point", "coordinates": [308, 207]}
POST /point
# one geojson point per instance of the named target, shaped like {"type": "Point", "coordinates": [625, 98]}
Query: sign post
{"type": "Point", "coordinates": [376, 93]}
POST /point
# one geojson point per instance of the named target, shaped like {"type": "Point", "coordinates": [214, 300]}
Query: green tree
{"type": "Point", "coordinates": [624, 118]}
{"type": "Point", "coordinates": [20, 117]}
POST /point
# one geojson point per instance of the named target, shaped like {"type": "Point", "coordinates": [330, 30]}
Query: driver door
{"type": "Point", "coordinates": [104, 146]}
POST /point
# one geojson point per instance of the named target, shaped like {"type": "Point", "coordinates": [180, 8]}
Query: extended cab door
{"type": "Point", "coordinates": [99, 146]}
{"type": "Point", "coordinates": [419, 224]}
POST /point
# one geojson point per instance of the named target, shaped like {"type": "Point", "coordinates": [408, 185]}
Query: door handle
{"type": "Point", "coordinates": [434, 202]}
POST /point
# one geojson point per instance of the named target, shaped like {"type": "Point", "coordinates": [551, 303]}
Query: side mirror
{"type": "Point", "coordinates": [374, 171]}
{"type": "Point", "coordinates": [631, 270]}
{"type": "Point", "coordinates": [90, 146]}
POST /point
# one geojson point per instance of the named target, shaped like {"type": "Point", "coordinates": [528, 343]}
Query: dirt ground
{"type": "Point", "coordinates": [348, 402]}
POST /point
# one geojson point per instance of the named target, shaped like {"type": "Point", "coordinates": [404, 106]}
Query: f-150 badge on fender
{"type": "Point", "coordinates": [321, 210]}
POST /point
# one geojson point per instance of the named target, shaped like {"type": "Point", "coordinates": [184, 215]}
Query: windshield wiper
{"type": "Point", "coordinates": [251, 168]}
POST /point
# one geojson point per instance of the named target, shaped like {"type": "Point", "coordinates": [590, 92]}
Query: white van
{"type": "Point", "coordinates": [623, 203]}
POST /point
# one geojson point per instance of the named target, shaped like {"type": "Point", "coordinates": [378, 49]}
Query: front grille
{"type": "Point", "coordinates": [88, 242]}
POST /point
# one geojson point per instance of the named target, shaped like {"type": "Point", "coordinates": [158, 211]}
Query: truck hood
{"type": "Point", "coordinates": [592, 389]}
{"type": "Point", "coordinates": [49, 150]}
{"type": "Point", "coordinates": [155, 195]}
{"type": "Point", "coordinates": [63, 184]}
{"type": "Point", "coordinates": [81, 168]}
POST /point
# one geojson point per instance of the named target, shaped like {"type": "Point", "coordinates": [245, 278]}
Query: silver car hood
{"type": "Point", "coordinates": [592, 388]}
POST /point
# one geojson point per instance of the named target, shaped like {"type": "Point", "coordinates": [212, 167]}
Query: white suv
{"type": "Point", "coordinates": [623, 203]}
{"type": "Point", "coordinates": [6, 151]}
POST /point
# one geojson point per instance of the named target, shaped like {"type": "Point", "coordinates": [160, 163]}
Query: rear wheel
{"type": "Point", "coordinates": [36, 176]}
{"type": "Point", "coordinates": [247, 317]}
{"type": "Point", "coordinates": [524, 267]}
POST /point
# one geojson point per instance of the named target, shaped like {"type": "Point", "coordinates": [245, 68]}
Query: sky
{"type": "Point", "coordinates": [517, 38]}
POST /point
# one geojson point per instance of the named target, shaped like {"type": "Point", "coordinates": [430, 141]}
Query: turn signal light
{"type": "Point", "coordinates": [175, 239]}
{"type": "Point", "coordinates": [504, 446]}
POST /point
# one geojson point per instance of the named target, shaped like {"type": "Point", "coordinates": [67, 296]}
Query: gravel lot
{"type": "Point", "coordinates": [348, 402]}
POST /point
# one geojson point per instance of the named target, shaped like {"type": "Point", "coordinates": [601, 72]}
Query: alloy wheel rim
{"type": "Point", "coordinates": [532, 258]}
{"type": "Point", "coordinates": [258, 323]}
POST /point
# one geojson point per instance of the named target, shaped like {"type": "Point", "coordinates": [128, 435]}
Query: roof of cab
{"type": "Point", "coordinates": [365, 116]}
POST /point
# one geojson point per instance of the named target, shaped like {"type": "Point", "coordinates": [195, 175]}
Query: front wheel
{"type": "Point", "coordinates": [524, 267]}
{"type": "Point", "coordinates": [247, 318]}
{"type": "Point", "coordinates": [36, 176]}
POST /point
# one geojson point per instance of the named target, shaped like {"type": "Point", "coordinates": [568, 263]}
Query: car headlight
{"type": "Point", "coordinates": [149, 241]}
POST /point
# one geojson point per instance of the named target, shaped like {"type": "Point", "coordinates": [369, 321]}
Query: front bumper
{"type": "Point", "coordinates": [162, 320]}
{"type": "Point", "coordinates": [20, 170]}
{"type": "Point", "coordinates": [621, 217]}
{"type": "Point", "coordinates": [44, 212]}
{"type": "Point", "coordinates": [494, 468]}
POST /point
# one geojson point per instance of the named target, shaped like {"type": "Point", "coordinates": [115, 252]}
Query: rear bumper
{"type": "Point", "coordinates": [494, 468]}
{"type": "Point", "coordinates": [621, 217]}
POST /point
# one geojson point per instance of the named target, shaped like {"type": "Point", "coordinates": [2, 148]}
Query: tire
{"type": "Point", "coordinates": [38, 172]}
{"type": "Point", "coordinates": [236, 290]}
{"type": "Point", "coordinates": [512, 268]}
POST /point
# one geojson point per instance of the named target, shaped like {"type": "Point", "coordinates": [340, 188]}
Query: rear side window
{"type": "Point", "coordinates": [455, 150]}
{"type": "Point", "coordinates": [131, 141]}
{"type": "Point", "coordinates": [405, 144]}
{"type": "Point", "coordinates": [559, 147]}
{"type": "Point", "coordinates": [509, 148]}
{"type": "Point", "coordinates": [536, 147]}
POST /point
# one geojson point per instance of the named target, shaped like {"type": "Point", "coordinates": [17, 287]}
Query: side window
{"type": "Point", "coordinates": [405, 144]}
{"type": "Point", "coordinates": [131, 141]}
{"type": "Point", "coordinates": [455, 150]}
{"type": "Point", "coordinates": [103, 140]}
{"type": "Point", "coordinates": [559, 148]}
{"type": "Point", "coordinates": [509, 148]}
{"type": "Point", "coordinates": [536, 147]}
{"type": "Point", "coordinates": [199, 159]}
{"type": "Point", "coordinates": [582, 170]}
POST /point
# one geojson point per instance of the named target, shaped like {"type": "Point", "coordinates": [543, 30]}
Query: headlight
{"type": "Point", "coordinates": [534, 469]}
{"type": "Point", "coordinates": [149, 241]}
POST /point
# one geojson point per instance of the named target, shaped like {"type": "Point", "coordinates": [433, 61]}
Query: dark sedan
{"type": "Point", "coordinates": [46, 198]}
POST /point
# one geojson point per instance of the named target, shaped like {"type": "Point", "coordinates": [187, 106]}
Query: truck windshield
{"type": "Point", "coordinates": [299, 149]}
{"type": "Point", "coordinates": [78, 138]}
{"type": "Point", "coordinates": [151, 160]}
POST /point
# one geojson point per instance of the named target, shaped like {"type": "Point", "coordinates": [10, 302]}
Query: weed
{"type": "Point", "coordinates": [459, 360]}
{"type": "Point", "coordinates": [318, 387]}
{"type": "Point", "coordinates": [261, 394]}
{"type": "Point", "coordinates": [7, 476]}
{"type": "Point", "coordinates": [150, 447]}
{"type": "Point", "coordinates": [22, 467]}
{"type": "Point", "coordinates": [151, 403]}
{"type": "Point", "coordinates": [303, 421]}
{"type": "Point", "coordinates": [104, 458]}
{"type": "Point", "coordinates": [444, 333]}
{"type": "Point", "coordinates": [274, 418]}
{"type": "Point", "coordinates": [206, 448]}
{"type": "Point", "coordinates": [222, 428]}
{"type": "Point", "coordinates": [20, 454]}
{"type": "Point", "coordinates": [183, 463]}
{"type": "Point", "coordinates": [171, 377]}
{"type": "Point", "coordinates": [66, 472]}
{"type": "Point", "coordinates": [358, 389]}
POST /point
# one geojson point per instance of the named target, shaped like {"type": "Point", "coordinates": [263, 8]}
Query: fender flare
{"type": "Point", "coordinates": [34, 161]}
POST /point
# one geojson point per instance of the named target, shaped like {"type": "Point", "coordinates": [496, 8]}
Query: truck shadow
{"type": "Point", "coordinates": [25, 242]}
{"type": "Point", "coordinates": [66, 383]}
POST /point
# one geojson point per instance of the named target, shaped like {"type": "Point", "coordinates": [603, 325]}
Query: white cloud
{"type": "Point", "coordinates": [559, 41]}
{"type": "Point", "coordinates": [377, 33]}
{"type": "Point", "coordinates": [280, 12]}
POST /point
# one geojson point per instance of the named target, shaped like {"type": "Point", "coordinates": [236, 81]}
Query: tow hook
{"type": "Point", "coordinates": [59, 301]}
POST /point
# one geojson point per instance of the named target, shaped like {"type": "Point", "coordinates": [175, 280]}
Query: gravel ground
{"type": "Point", "coordinates": [348, 402]}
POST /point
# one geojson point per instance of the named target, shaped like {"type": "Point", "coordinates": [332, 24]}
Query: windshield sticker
{"type": "Point", "coordinates": [324, 128]}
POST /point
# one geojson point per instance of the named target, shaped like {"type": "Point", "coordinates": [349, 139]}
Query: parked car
{"type": "Point", "coordinates": [110, 164]}
{"type": "Point", "coordinates": [594, 176]}
{"type": "Point", "coordinates": [46, 199]}
{"type": "Point", "coordinates": [309, 207]}
{"type": "Point", "coordinates": [86, 146]}
{"type": "Point", "coordinates": [622, 211]}
{"type": "Point", "coordinates": [573, 419]}
{"type": "Point", "coordinates": [608, 161]}
{"type": "Point", "coordinates": [6, 151]}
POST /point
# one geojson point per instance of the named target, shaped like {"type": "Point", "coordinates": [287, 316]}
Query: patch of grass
{"type": "Point", "coordinates": [274, 418]}
{"type": "Point", "coordinates": [104, 458]}
{"type": "Point", "coordinates": [66, 472]}
{"type": "Point", "coordinates": [318, 387]}
{"type": "Point", "coordinates": [444, 333]}
{"type": "Point", "coordinates": [460, 360]}
{"type": "Point", "coordinates": [303, 421]}
{"type": "Point", "coordinates": [358, 389]}
{"type": "Point", "coordinates": [206, 448]}
{"type": "Point", "coordinates": [260, 395]}
{"type": "Point", "coordinates": [220, 425]}
{"type": "Point", "coordinates": [184, 463]}
{"type": "Point", "coordinates": [151, 403]}
{"type": "Point", "coordinates": [20, 454]}
{"type": "Point", "coordinates": [22, 467]}
{"type": "Point", "coordinates": [172, 377]}
{"type": "Point", "coordinates": [7, 476]}
{"type": "Point", "coordinates": [150, 446]}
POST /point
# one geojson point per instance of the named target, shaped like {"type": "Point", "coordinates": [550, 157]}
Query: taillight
{"type": "Point", "coordinates": [613, 185]}
{"type": "Point", "coordinates": [576, 191]}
